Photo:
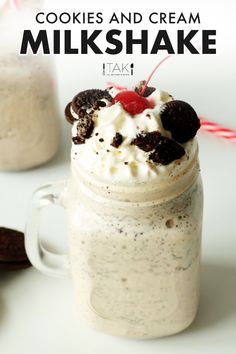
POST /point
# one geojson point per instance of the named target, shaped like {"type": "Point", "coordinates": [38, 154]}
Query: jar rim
{"type": "Point", "coordinates": [148, 193]}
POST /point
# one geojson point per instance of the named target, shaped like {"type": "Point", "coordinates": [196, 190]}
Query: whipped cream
{"type": "Point", "coordinates": [127, 163]}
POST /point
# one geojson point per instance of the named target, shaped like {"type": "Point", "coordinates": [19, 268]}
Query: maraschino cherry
{"type": "Point", "coordinates": [134, 103]}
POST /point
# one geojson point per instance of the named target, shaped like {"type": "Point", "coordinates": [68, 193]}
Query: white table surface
{"type": "Point", "coordinates": [38, 314]}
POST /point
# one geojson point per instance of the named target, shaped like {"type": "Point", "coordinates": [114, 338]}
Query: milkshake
{"type": "Point", "coordinates": [29, 126]}
{"type": "Point", "coordinates": [134, 205]}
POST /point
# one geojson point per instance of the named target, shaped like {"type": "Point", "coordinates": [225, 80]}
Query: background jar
{"type": "Point", "coordinates": [29, 126]}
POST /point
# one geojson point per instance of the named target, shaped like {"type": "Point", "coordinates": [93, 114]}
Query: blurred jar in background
{"type": "Point", "coordinates": [29, 126]}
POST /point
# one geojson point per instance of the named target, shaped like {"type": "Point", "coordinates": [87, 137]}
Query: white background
{"type": "Point", "coordinates": [37, 313]}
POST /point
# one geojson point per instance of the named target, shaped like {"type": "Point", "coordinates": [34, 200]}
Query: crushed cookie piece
{"type": "Point", "coordinates": [85, 127]}
{"type": "Point", "coordinates": [162, 150]}
{"type": "Point", "coordinates": [147, 92]}
{"type": "Point", "coordinates": [76, 141]}
{"type": "Point", "coordinates": [147, 142]}
{"type": "Point", "coordinates": [166, 151]}
{"type": "Point", "coordinates": [117, 140]}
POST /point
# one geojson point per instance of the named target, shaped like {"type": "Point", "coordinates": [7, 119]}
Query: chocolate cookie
{"type": "Point", "coordinates": [12, 250]}
{"type": "Point", "coordinates": [162, 149]}
{"type": "Point", "coordinates": [166, 151]}
{"type": "Point", "coordinates": [84, 105]}
{"type": "Point", "coordinates": [149, 90]}
{"type": "Point", "coordinates": [147, 142]}
{"type": "Point", "coordinates": [12, 266]}
{"type": "Point", "coordinates": [68, 114]}
{"type": "Point", "coordinates": [90, 99]}
{"type": "Point", "coordinates": [180, 119]}
{"type": "Point", "coordinates": [85, 127]}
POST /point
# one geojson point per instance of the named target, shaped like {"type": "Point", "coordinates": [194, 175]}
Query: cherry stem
{"type": "Point", "coordinates": [152, 73]}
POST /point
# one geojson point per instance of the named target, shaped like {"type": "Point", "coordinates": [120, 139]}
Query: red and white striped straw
{"type": "Point", "coordinates": [218, 130]}
{"type": "Point", "coordinates": [209, 127]}
{"type": "Point", "coordinates": [15, 3]}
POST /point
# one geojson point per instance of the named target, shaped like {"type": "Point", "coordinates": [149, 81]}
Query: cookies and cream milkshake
{"type": "Point", "coordinates": [134, 205]}
{"type": "Point", "coordinates": [29, 125]}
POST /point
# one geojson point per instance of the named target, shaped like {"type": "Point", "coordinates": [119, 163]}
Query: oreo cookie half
{"type": "Point", "coordinates": [162, 149]}
{"type": "Point", "coordinates": [166, 151]}
{"type": "Point", "coordinates": [12, 266]}
{"type": "Point", "coordinates": [12, 250]}
{"type": "Point", "coordinates": [84, 104]}
{"type": "Point", "coordinates": [148, 141]}
{"type": "Point", "coordinates": [90, 99]}
{"type": "Point", "coordinates": [180, 119]}
{"type": "Point", "coordinates": [68, 114]}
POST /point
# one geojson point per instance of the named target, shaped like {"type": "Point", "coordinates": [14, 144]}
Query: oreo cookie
{"type": "Point", "coordinates": [13, 266]}
{"type": "Point", "coordinates": [12, 250]}
{"type": "Point", "coordinates": [180, 119]}
{"type": "Point", "coordinates": [147, 142]}
{"type": "Point", "coordinates": [162, 150]}
{"type": "Point", "coordinates": [166, 151]}
{"type": "Point", "coordinates": [84, 105]}
{"type": "Point", "coordinates": [90, 99]}
{"type": "Point", "coordinates": [68, 114]}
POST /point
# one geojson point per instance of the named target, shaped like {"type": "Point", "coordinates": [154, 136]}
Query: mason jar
{"type": "Point", "coordinates": [29, 125]}
{"type": "Point", "coordinates": [134, 251]}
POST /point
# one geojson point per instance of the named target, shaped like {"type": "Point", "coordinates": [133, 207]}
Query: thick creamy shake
{"type": "Point", "coordinates": [29, 127]}
{"type": "Point", "coordinates": [135, 212]}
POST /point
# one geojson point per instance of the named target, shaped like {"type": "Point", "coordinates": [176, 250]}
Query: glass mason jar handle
{"type": "Point", "coordinates": [47, 262]}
